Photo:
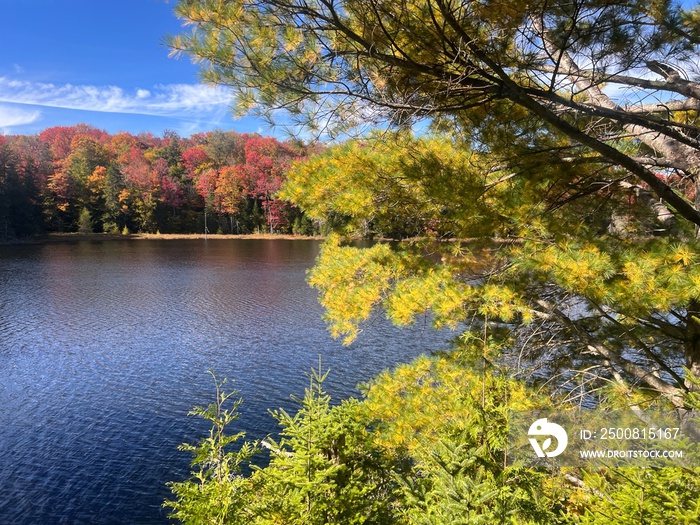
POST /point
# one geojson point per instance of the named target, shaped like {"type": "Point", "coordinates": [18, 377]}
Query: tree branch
{"type": "Point", "coordinates": [673, 394]}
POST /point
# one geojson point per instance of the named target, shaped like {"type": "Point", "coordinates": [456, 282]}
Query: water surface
{"type": "Point", "coordinates": [105, 347]}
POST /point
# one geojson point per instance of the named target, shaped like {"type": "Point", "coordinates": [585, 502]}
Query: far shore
{"type": "Point", "coordinates": [76, 237]}
{"type": "Point", "coordinates": [50, 238]}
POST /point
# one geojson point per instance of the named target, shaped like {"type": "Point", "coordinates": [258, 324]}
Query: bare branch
{"type": "Point", "coordinates": [673, 394]}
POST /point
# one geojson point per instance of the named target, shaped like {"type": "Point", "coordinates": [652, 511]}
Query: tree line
{"type": "Point", "coordinates": [80, 178]}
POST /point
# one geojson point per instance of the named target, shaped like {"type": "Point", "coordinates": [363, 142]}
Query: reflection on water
{"type": "Point", "coordinates": [104, 348]}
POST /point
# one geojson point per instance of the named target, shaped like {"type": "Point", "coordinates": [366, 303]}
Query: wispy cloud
{"type": "Point", "coordinates": [171, 100]}
{"type": "Point", "coordinates": [13, 116]}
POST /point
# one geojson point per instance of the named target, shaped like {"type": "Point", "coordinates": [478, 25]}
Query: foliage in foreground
{"type": "Point", "coordinates": [211, 496]}
{"type": "Point", "coordinates": [569, 151]}
{"type": "Point", "coordinates": [589, 287]}
{"type": "Point", "coordinates": [582, 210]}
{"type": "Point", "coordinates": [424, 446]}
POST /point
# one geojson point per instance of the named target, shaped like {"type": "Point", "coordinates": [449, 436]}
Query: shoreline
{"type": "Point", "coordinates": [53, 238]}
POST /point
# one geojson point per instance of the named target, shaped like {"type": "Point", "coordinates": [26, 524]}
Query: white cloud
{"type": "Point", "coordinates": [171, 100]}
{"type": "Point", "coordinates": [12, 116]}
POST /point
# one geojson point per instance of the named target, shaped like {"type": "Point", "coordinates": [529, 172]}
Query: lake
{"type": "Point", "coordinates": [105, 347]}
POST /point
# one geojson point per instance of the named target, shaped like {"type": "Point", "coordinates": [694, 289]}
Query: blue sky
{"type": "Point", "coordinates": [104, 63]}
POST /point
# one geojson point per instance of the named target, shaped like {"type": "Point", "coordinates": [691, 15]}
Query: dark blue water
{"type": "Point", "coordinates": [105, 347]}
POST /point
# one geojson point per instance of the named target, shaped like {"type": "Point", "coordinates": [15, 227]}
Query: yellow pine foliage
{"type": "Point", "coordinates": [415, 402]}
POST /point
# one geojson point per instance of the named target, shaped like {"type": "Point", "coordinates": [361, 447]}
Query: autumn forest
{"type": "Point", "coordinates": [79, 178]}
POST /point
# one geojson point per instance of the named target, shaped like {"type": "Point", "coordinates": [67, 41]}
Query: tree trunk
{"type": "Point", "coordinates": [692, 342]}
{"type": "Point", "coordinates": [692, 322]}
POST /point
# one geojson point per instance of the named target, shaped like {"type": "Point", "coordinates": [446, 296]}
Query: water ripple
{"type": "Point", "coordinates": [104, 348]}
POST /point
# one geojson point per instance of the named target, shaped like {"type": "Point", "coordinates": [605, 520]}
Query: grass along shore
{"type": "Point", "coordinates": [76, 237]}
